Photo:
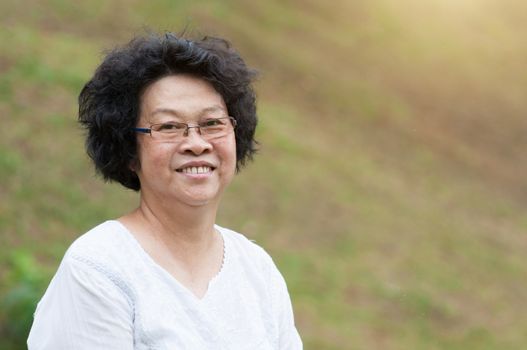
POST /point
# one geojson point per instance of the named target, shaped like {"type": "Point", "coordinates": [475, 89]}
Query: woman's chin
{"type": "Point", "coordinates": [199, 199]}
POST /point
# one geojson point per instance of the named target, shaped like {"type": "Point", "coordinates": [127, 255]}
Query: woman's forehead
{"type": "Point", "coordinates": [180, 87]}
{"type": "Point", "coordinates": [181, 96]}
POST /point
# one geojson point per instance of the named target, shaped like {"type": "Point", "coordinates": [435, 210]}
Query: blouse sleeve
{"type": "Point", "coordinates": [289, 339]}
{"type": "Point", "coordinates": [82, 309]}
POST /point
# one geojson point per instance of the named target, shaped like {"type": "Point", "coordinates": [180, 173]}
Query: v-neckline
{"type": "Point", "coordinates": [169, 276]}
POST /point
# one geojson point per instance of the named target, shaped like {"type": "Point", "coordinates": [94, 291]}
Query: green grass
{"type": "Point", "coordinates": [388, 186]}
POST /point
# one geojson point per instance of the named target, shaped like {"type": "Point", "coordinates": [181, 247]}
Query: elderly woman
{"type": "Point", "coordinates": [173, 119]}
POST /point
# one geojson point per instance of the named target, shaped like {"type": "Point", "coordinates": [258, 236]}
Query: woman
{"type": "Point", "coordinates": [173, 119]}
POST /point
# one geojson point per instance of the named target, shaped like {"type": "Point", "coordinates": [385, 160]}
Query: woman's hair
{"type": "Point", "coordinates": [109, 104]}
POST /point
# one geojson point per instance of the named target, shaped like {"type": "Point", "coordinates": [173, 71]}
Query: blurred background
{"type": "Point", "coordinates": [390, 185]}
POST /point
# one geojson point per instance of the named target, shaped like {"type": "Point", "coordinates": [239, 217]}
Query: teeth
{"type": "Point", "coordinates": [196, 170]}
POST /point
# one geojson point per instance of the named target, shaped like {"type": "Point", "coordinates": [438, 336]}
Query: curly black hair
{"type": "Point", "coordinates": [109, 104]}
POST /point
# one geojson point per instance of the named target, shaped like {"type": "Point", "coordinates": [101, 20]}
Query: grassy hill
{"type": "Point", "coordinates": [389, 187]}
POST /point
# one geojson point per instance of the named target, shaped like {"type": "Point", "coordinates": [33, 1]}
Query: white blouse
{"type": "Point", "coordinates": [108, 293]}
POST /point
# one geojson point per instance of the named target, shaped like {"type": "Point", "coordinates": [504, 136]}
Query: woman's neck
{"type": "Point", "coordinates": [185, 231]}
{"type": "Point", "coordinates": [182, 240]}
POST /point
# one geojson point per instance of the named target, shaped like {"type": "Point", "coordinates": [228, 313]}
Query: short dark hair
{"type": "Point", "coordinates": [109, 104]}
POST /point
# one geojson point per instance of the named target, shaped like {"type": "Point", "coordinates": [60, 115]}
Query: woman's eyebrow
{"type": "Point", "coordinates": [171, 111]}
{"type": "Point", "coordinates": [213, 109]}
{"type": "Point", "coordinates": [165, 111]}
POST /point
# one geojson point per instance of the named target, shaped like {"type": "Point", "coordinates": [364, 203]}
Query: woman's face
{"type": "Point", "coordinates": [188, 169]}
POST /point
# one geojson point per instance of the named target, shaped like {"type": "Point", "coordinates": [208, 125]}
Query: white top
{"type": "Point", "coordinates": [108, 293]}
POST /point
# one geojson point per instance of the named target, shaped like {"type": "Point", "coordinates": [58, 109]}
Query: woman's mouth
{"type": "Point", "coordinates": [196, 170]}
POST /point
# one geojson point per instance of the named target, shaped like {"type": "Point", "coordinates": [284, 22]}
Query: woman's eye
{"type": "Point", "coordinates": [170, 126]}
{"type": "Point", "coordinates": [213, 122]}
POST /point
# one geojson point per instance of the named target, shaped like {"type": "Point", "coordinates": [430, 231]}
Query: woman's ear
{"type": "Point", "coordinates": [134, 165]}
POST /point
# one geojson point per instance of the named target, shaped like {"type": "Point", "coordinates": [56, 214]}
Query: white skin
{"type": "Point", "coordinates": [175, 219]}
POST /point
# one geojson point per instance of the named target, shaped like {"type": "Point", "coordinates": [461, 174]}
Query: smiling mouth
{"type": "Point", "coordinates": [196, 170]}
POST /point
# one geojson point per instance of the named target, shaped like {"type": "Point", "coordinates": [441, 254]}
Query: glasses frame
{"type": "Point", "coordinates": [187, 127]}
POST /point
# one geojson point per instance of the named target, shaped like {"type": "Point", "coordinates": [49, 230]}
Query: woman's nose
{"type": "Point", "coordinates": [194, 142]}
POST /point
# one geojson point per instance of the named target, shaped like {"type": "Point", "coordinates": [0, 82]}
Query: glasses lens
{"type": "Point", "coordinates": [216, 127]}
{"type": "Point", "coordinates": [213, 126]}
{"type": "Point", "coordinates": [168, 130]}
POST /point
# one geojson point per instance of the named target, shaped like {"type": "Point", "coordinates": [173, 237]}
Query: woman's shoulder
{"type": "Point", "coordinates": [101, 256]}
{"type": "Point", "coordinates": [104, 236]}
{"type": "Point", "coordinates": [243, 248]}
{"type": "Point", "coordinates": [107, 244]}
{"type": "Point", "coordinates": [241, 241]}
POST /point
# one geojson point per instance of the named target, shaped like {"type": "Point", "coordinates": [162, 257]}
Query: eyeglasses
{"type": "Point", "coordinates": [212, 128]}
